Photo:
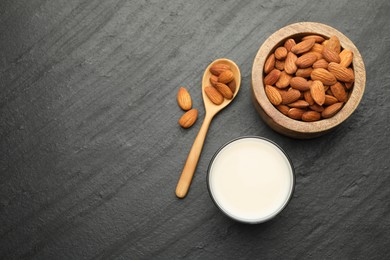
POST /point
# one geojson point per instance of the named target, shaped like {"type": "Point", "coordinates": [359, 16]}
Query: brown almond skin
{"type": "Point", "coordinates": [317, 48]}
{"type": "Point", "coordinates": [317, 38]}
{"type": "Point", "coordinates": [334, 43]}
{"type": "Point", "coordinates": [339, 92]}
{"type": "Point", "coordinates": [299, 104]}
{"type": "Point", "coordinates": [317, 108]}
{"type": "Point", "coordinates": [284, 80]}
{"type": "Point", "coordinates": [317, 54]}
{"type": "Point", "coordinates": [346, 57]}
{"type": "Point", "coordinates": [269, 64]}
{"type": "Point", "coordinates": [279, 64]}
{"type": "Point", "coordinates": [324, 76]}
{"type": "Point", "coordinates": [232, 85]}
{"type": "Point", "coordinates": [303, 46]}
{"type": "Point", "coordinates": [304, 73]}
{"type": "Point", "coordinates": [311, 116]}
{"type": "Point", "coordinates": [289, 65]}
{"type": "Point", "coordinates": [306, 60]}
{"type": "Point", "coordinates": [340, 72]}
{"type": "Point", "coordinates": [272, 77]}
{"type": "Point", "coordinates": [330, 100]}
{"type": "Point", "coordinates": [218, 68]}
{"type": "Point", "coordinates": [308, 98]}
{"type": "Point", "coordinates": [273, 95]}
{"type": "Point", "coordinates": [290, 96]}
{"type": "Point", "coordinates": [330, 55]}
{"type": "Point", "coordinates": [225, 76]}
{"type": "Point", "coordinates": [332, 110]}
{"type": "Point", "coordinates": [317, 92]}
{"type": "Point", "coordinates": [283, 109]}
{"type": "Point", "coordinates": [189, 118]}
{"type": "Point", "coordinates": [289, 44]}
{"type": "Point", "coordinates": [296, 113]}
{"type": "Point", "coordinates": [281, 53]}
{"type": "Point", "coordinates": [322, 63]}
{"type": "Point", "coordinates": [348, 85]}
{"type": "Point", "coordinates": [300, 83]}
{"type": "Point", "coordinates": [224, 90]}
{"type": "Point", "coordinates": [213, 79]}
{"type": "Point", "coordinates": [214, 95]}
{"type": "Point", "coordinates": [184, 99]}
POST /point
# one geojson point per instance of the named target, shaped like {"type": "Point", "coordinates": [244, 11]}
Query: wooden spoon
{"type": "Point", "coordinates": [211, 110]}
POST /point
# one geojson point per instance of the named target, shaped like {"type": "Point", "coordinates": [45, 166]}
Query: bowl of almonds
{"type": "Point", "coordinates": [307, 78]}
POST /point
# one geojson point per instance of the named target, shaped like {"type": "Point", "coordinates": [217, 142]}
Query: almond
{"type": "Point", "coordinates": [289, 65]}
{"type": "Point", "coordinates": [189, 118]}
{"type": "Point", "coordinates": [332, 110]}
{"type": "Point", "coordinates": [324, 43]}
{"type": "Point", "coordinates": [273, 95]}
{"type": "Point", "coordinates": [283, 109]}
{"type": "Point", "coordinates": [296, 113]}
{"type": "Point", "coordinates": [284, 80]}
{"type": "Point", "coordinates": [279, 64]}
{"type": "Point", "coordinates": [316, 38]}
{"type": "Point", "coordinates": [218, 68]}
{"type": "Point", "coordinates": [213, 79]}
{"type": "Point", "coordinates": [306, 60]}
{"type": "Point", "coordinates": [300, 83]}
{"type": "Point", "coordinates": [317, 92]}
{"type": "Point", "coordinates": [303, 46]}
{"type": "Point", "coordinates": [232, 85]}
{"type": "Point", "coordinates": [317, 108]}
{"type": "Point", "coordinates": [317, 54]}
{"type": "Point", "coordinates": [308, 98]}
{"type": "Point", "coordinates": [290, 96]}
{"type": "Point", "coordinates": [184, 99]}
{"type": "Point", "coordinates": [341, 73]}
{"type": "Point", "coordinates": [330, 55]}
{"type": "Point", "coordinates": [324, 76]}
{"type": "Point", "coordinates": [311, 116]}
{"type": "Point", "coordinates": [339, 92]}
{"type": "Point", "coordinates": [317, 48]}
{"type": "Point", "coordinates": [330, 100]}
{"type": "Point", "coordinates": [348, 85]}
{"type": "Point", "coordinates": [304, 73]}
{"type": "Point", "coordinates": [280, 53]}
{"type": "Point", "coordinates": [214, 95]}
{"type": "Point", "coordinates": [224, 90]}
{"type": "Point", "coordinates": [225, 76]}
{"type": "Point", "coordinates": [346, 57]}
{"type": "Point", "coordinates": [334, 44]}
{"type": "Point", "coordinates": [322, 63]}
{"type": "Point", "coordinates": [299, 104]}
{"type": "Point", "coordinates": [272, 77]}
{"type": "Point", "coordinates": [269, 64]}
{"type": "Point", "coordinates": [289, 44]}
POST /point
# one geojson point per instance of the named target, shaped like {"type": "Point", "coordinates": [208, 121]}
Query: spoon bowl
{"type": "Point", "coordinates": [211, 110]}
{"type": "Point", "coordinates": [210, 107]}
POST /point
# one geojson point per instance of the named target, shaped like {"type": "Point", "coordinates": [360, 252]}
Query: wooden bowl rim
{"type": "Point", "coordinates": [294, 30]}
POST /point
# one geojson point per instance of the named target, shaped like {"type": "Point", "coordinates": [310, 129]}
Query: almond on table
{"type": "Point", "coordinates": [184, 99]}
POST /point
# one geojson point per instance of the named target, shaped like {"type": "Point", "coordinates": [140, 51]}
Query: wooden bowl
{"type": "Point", "coordinates": [283, 124]}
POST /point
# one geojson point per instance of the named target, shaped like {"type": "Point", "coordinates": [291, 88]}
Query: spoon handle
{"type": "Point", "coordinates": [192, 160]}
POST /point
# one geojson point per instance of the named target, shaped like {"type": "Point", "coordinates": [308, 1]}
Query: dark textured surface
{"type": "Point", "coordinates": [90, 149]}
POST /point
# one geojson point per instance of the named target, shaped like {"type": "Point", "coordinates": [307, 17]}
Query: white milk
{"type": "Point", "coordinates": [251, 180]}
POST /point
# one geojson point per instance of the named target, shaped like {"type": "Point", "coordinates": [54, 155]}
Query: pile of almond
{"type": "Point", "coordinates": [309, 79]}
{"type": "Point", "coordinates": [222, 83]}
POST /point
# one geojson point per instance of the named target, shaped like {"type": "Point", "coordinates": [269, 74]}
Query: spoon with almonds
{"type": "Point", "coordinates": [213, 103]}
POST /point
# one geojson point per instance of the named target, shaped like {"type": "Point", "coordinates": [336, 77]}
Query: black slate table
{"type": "Point", "coordinates": [91, 151]}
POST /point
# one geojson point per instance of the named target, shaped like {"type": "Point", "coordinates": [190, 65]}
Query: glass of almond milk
{"type": "Point", "coordinates": [251, 179]}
